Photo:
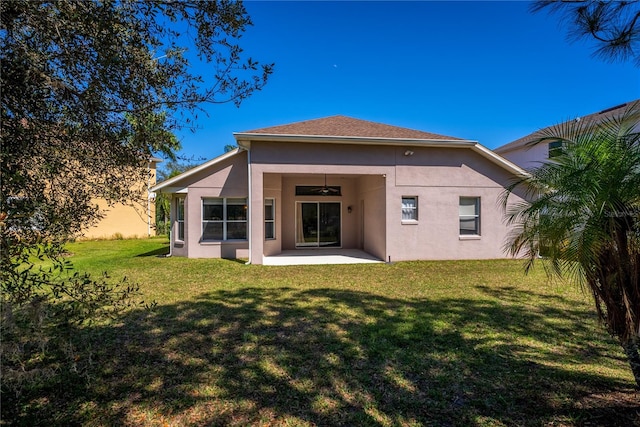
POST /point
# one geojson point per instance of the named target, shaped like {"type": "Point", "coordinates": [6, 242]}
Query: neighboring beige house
{"type": "Point", "coordinates": [133, 220]}
{"type": "Point", "coordinates": [338, 182]}
{"type": "Point", "coordinates": [528, 156]}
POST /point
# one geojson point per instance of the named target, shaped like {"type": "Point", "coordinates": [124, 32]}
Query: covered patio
{"type": "Point", "coordinates": [316, 218]}
{"type": "Point", "coordinates": [320, 256]}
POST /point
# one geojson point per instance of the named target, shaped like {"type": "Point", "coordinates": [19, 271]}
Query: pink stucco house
{"type": "Point", "coordinates": [339, 182]}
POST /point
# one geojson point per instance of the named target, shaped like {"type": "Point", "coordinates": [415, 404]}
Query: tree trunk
{"type": "Point", "coordinates": [633, 355]}
{"type": "Point", "coordinates": [164, 224]}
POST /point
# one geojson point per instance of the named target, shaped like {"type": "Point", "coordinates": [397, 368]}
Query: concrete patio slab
{"type": "Point", "coordinates": [321, 256]}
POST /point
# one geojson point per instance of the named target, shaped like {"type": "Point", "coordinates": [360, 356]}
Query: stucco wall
{"type": "Point", "coordinates": [528, 157]}
{"type": "Point", "coordinates": [226, 179]}
{"type": "Point", "coordinates": [448, 174]}
{"type": "Point", "coordinates": [132, 220]}
{"type": "Point", "coordinates": [375, 178]}
{"type": "Point", "coordinates": [123, 221]}
{"type": "Point", "coordinates": [273, 190]}
{"type": "Point", "coordinates": [371, 211]}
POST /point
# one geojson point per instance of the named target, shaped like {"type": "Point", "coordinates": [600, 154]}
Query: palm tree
{"type": "Point", "coordinates": [584, 217]}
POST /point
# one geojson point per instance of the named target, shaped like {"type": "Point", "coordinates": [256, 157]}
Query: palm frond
{"type": "Point", "coordinates": [583, 212]}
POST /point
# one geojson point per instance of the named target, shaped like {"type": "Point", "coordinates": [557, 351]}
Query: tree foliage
{"type": "Point", "coordinates": [90, 90]}
{"type": "Point", "coordinates": [584, 217]}
{"type": "Point", "coordinates": [613, 25]}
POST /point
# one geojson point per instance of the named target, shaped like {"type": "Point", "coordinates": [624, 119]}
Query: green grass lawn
{"type": "Point", "coordinates": [465, 343]}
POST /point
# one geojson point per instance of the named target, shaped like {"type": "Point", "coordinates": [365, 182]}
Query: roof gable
{"type": "Point", "coordinates": [170, 183]}
{"type": "Point", "coordinates": [342, 126]}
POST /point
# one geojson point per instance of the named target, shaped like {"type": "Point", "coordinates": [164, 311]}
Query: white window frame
{"type": "Point", "coordinates": [180, 231]}
{"type": "Point", "coordinates": [271, 221]}
{"type": "Point", "coordinates": [476, 216]}
{"type": "Point", "coordinates": [224, 221]}
{"type": "Point", "coordinates": [413, 218]}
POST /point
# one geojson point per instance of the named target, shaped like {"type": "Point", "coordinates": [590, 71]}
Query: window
{"type": "Point", "coordinates": [409, 208]}
{"type": "Point", "coordinates": [469, 216]}
{"type": "Point", "coordinates": [224, 219]}
{"type": "Point", "coordinates": [180, 218]}
{"type": "Point", "coordinates": [555, 149]}
{"type": "Point", "coordinates": [269, 219]}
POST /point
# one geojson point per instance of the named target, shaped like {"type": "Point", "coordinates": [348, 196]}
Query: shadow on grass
{"type": "Point", "coordinates": [274, 356]}
{"type": "Point", "coordinates": [241, 261]}
{"type": "Point", "coordinates": [160, 252]}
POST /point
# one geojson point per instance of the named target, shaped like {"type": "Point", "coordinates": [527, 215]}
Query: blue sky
{"type": "Point", "coordinates": [486, 71]}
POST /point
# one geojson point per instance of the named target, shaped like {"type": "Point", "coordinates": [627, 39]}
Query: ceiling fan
{"type": "Point", "coordinates": [326, 190]}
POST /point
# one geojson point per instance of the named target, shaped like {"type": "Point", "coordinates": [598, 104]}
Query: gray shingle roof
{"type": "Point", "coordinates": [337, 126]}
{"type": "Point", "coordinates": [595, 117]}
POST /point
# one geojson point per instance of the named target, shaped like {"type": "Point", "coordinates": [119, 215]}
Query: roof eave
{"type": "Point", "coordinates": [500, 161]}
{"type": "Point", "coordinates": [244, 140]}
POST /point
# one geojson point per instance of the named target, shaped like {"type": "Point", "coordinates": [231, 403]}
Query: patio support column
{"type": "Point", "coordinates": [256, 214]}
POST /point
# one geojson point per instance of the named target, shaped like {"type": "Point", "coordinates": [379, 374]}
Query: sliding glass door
{"type": "Point", "coordinates": [317, 224]}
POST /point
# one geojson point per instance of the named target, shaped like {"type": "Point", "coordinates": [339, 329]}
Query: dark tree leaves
{"type": "Point", "coordinates": [90, 91]}
{"type": "Point", "coordinates": [613, 25]}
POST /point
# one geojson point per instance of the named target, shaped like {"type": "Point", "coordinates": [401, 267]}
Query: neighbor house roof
{"type": "Point", "coordinates": [595, 117]}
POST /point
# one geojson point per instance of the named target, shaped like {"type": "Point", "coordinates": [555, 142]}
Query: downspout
{"type": "Point", "coordinates": [249, 202]}
{"type": "Point", "coordinates": [148, 216]}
